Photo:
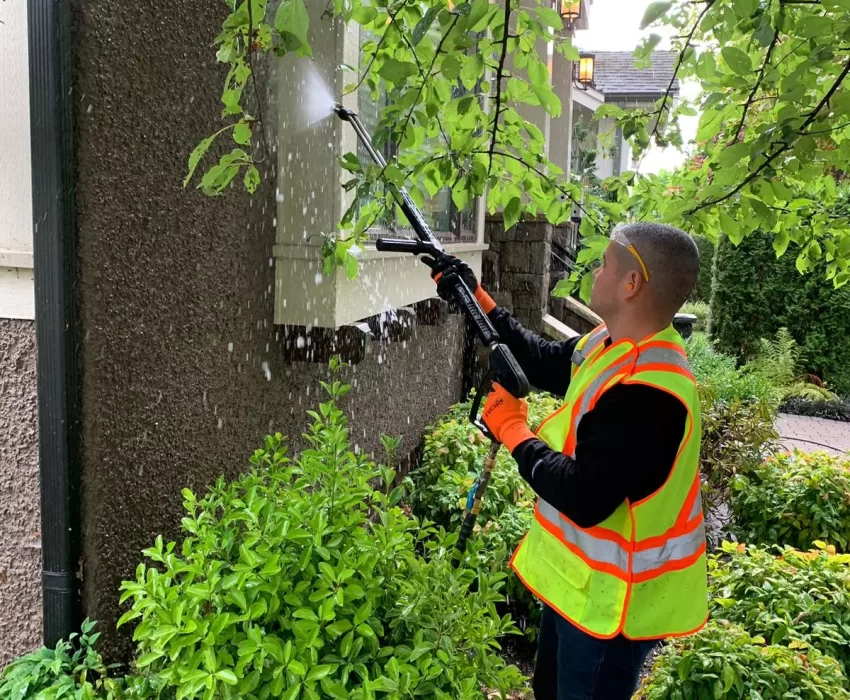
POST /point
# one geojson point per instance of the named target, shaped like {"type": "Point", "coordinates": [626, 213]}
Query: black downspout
{"type": "Point", "coordinates": [51, 139]}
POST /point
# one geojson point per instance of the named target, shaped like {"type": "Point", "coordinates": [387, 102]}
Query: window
{"type": "Point", "coordinates": [311, 200]}
{"type": "Point", "coordinates": [445, 220]}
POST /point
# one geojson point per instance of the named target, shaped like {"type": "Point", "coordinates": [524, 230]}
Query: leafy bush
{"type": "Point", "coordinates": [301, 580]}
{"type": "Point", "coordinates": [755, 294]}
{"type": "Point", "coordinates": [736, 437]}
{"type": "Point", "coordinates": [720, 375]}
{"type": "Point", "coordinates": [724, 662]}
{"type": "Point", "coordinates": [738, 413]}
{"type": "Point", "coordinates": [779, 361]}
{"type": "Point", "coordinates": [832, 410]}
{"type": "Point", "coordinates": [701, 310]}
{"type": "Point", "coordinates": [790, 597]}
{"type": "Point", "coordinates": [73, 669]}
{"type": "Point", "coordinates": [794, 499]}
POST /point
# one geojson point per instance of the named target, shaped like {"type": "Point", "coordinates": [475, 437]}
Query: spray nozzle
{"type": "Point", "coordinates": [344, 113]}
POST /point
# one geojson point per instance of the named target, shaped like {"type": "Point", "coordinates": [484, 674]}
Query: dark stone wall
{"type": "Point", "coordinates": [182, 367]}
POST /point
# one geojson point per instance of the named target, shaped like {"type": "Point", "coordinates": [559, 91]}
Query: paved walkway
{"type": "Point", "coordinates": [802, 432]}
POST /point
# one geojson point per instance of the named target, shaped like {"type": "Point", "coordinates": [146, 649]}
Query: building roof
{"type": "Point", "coordinates": [615, 73]}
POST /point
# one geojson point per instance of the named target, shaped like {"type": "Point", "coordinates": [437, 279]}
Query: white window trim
{"type": "Point", "coordinates": [386, 280]}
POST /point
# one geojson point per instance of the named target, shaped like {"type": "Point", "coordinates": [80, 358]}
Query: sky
{"type": "Point", "coordinates": [615, 26]}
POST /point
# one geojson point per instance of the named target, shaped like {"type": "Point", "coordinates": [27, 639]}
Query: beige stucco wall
{"type": "Point", "coordinates": [20, 552]}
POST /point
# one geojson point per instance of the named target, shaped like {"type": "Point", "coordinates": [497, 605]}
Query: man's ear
{"type": "Point", "coordinates": [632, 283]}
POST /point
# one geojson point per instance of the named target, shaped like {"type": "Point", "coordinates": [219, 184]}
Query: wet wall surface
{"type": "Point", "coordinates": [182, 373]}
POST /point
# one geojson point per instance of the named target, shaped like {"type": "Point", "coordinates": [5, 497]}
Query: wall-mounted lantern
{"type": "Point", "coordinates": [570, 12]}
{"type": "Point", "coordinates": [583, 70]}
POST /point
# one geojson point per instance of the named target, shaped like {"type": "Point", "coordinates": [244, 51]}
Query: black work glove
{"type": "Point", "coordinates": [445, 267]}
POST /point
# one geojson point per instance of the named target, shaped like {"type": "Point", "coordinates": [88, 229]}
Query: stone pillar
{"type": "Point", "coordinates": [516, 269]}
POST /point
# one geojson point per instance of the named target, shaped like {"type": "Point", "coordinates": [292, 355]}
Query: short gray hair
{"type": "Point", "coordinates": [672, 259]}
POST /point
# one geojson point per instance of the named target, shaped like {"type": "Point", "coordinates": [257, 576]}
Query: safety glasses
{"type": "Point", "coordinates": [618, 236]}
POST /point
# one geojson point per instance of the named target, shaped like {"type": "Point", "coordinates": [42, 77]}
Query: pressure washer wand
{"type": "Point", "coordinates": [503, 366]}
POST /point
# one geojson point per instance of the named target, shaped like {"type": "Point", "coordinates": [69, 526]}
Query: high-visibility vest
{"type": "Point", "coordinates": [642, 571]}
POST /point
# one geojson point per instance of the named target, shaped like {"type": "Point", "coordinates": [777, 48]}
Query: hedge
{"type": "Point", "coordinates": [754, 294]}
{"type": "Point", "coordinates": [702, 292]}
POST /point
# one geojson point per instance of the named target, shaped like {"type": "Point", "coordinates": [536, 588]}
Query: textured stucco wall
{"type": "Point", "coordinates": [175, 294]}
{"type": "Point", "coordinates": [20, 550]}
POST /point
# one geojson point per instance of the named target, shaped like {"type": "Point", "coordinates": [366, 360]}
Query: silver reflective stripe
{"type": "Point", "coordinates": [652, 356]}
{"type": "Point", "coordinates": [600, 550]}
{"type": "Point", "coordinates": [697, 509]}
{"type": "Point", "coordinates": [601, 380]}
{"type": "Point", "coordinates": [674, 549]}
{"type": "Point", "coordinates": [596, 337]}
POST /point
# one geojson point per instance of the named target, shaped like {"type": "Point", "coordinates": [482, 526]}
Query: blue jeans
{"type": "Point", "coordinates": [573, 665]}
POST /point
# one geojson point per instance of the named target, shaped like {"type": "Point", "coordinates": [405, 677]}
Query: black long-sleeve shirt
{"type": "Point", "coordinates": [625, 447]}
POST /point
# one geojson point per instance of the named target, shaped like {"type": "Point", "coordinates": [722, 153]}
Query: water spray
{"type": "Point", "coordinates": [503, 369]}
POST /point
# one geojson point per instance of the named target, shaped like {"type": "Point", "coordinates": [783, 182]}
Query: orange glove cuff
{"type": "Point", "coordinates": [486, 301]}
{"type": "Point", "coordinates": [514, 434]}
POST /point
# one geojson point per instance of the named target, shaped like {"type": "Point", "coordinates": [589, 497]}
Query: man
{"type": "Point", "coordinates": [616, 552]}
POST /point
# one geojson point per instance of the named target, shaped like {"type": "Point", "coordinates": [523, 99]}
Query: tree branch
{"type": "Point", "coordinates": [756, 87]}
{"type": "Point", "coordinates": [786, 145]}
{"type": "Point", "coordinates": [552, 181]}
{"type": "Point", "coordinates": [681, 59]}
{"type": "Point", "coordinates": [424, 78]}
{"type": "Point", "coordinates": [250, 51]}
{"type": "Point", "coordinates": [425, 81]}
{"type": "Point", "coordinates": [377, 49]}
{"type": "Point", "coordinates": [499, 71]}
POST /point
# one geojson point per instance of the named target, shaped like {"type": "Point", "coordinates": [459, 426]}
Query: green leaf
{"type": "Point", "coordinates": [196, 155]}
{"type": "Point", "coordinates": [654, 12]}
{"type": "Point", "coordinates": [780, 243]}
{"type": "Point", "coordinates": [365, 14]}
{"type": "Point", "coordinates": [424, 24]}
{"type": "Point", "coordinates": [513, 210]}
{"type": "Point", "coordinates": [706, 66]}
{"type": "Point", "coordinates": [813, 26]}
{"type": "Point", "coordinates": [737, 60]}
{"type": "Point", "coordinates": [296, 667]}
{"type": "Point", "coordinates": [291, 693]}
{"type": "Point", "coordinates": [319, 672]}
{"type": "Point", "coordinates": [733, 154]}
{"type": "Point", "coordinates": [586, 287]}
{"type": "Point", "coordinates": [252, 179]}
{"type": "Point", "coordinates": [242, 133]}
{"type": "Point", "coordinates": [647, 46]}
{"type": "Point", "coordinates": [305, 614]}
{"type": "Point", "coordinates": [148, 659]}
{"type": "Point", "coordinates": [744, 8]}
{"type": "Point", "coordinates": [396, 71]}
{"type": "Point", "coordinates": [383, 684]}
{"type": "Point", "coordinates": [227, 676]}
{"type": "Point", "coordinates": [292, 23]}
{"type": "Point", "coordinates": [334, 689]}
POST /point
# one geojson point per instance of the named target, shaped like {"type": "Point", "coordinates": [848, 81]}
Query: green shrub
{"type": "Point", "coordinates": [701, 310]}
{"type": "Point", "coordinates": [790, 597]}
{"type": "Point", "coordinates": [755, 294]}
{"type": "Point", "coordinates": [73, 669]}
{"type": "Point", "coordinates": [301, 580]}
{"type": "Point", "coordinates": [719, 375]}
{"type": "Point", "coordinates": [723, 662]}
{"type": "Point", "coordinates": [452, 458]}
{"type": "Point", "coordinates": [794, 499]}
